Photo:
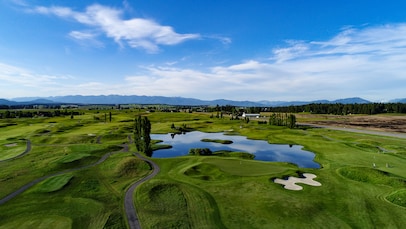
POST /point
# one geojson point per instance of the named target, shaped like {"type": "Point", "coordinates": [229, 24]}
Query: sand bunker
{"type": "Point", "coordinates": [11, 145]}
{"type": "Point", "coordinates": [290, 183]}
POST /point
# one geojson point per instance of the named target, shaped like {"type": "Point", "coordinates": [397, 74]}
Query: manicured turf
{"type": "Point", "coordinates": [53, 184]}
{"type": "Point", "coordinates": [362, 176]}
{"type": "Point", "coordinates": [40, 221]}
{"type": "Point", "coordinates": [11, 149]}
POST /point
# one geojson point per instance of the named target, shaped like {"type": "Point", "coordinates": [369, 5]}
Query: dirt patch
{"type": "Point", "coordinates": [387, 123]}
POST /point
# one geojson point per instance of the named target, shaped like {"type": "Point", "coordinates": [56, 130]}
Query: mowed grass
{"type": "Point", "coordinates": [41, 221]}
{"type": "Point", "coordinates": [53, 184]}
{"type": "Point", "coordinates": [84, 198]}
{"type": "Point", "coordinates": [246, 197]}
{"type": "Point", "coordinates": [362, 177]}
{"type": "Point", "coordinates": [11, 149]}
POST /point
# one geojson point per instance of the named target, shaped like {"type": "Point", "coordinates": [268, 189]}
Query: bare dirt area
{"type": "Point", "coordinates": [387, 123]}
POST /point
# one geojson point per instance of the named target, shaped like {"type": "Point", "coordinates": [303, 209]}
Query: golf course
{"type": "Point", "coordinates": [81, 171]}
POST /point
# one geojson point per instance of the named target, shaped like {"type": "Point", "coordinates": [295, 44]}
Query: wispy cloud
{"type": "Point", "coordinates": [368, 62]}
{"type": "Point", "coordinates": [16, 80]}
{"type": "Point", "coordinates": [21, 76]}
{"type": "Point", "coordinates": [135, 32]}
{"type": "Point", "coordinates": [86, 38]}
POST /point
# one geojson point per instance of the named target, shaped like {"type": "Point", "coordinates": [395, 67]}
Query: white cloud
{"type": "Point", "coordinates": [17, 81]}
{"type": "Point", "coordinates": [15, 75]}
{"type": "Point", "coordinates": [86, 38]}
{"type": "Point", "coordinates": [135, 32]}
{"type": "Point", "coordinates": [367, 62]}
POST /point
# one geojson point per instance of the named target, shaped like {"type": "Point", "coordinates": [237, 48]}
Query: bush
{"type": "Point", "coordinates": [200, 151]}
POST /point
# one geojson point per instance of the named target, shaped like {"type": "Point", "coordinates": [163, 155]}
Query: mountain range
{"type": "Point", "coordinates": [135, 99]}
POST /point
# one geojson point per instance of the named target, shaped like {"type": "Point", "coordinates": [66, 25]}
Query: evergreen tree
{"type": "Point", "coordinates": [142, 138]}
{"type": "Point", "coordinates": [291, 121]}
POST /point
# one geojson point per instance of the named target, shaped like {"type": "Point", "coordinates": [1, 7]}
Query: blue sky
{"type": "Point", "coordinates": [241, 50]}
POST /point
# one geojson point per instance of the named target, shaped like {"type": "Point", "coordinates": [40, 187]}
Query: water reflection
{"type": "Point", "coordinates": [261, 149]}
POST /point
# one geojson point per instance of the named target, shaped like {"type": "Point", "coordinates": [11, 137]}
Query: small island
{"type": "Point", "coordinates": [221, 141]}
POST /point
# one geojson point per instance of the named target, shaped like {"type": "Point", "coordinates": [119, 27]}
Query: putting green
{"type": "Point", "coordinates": [11, 149]}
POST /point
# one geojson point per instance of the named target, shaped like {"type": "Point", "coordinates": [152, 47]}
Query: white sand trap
{"type": "Point", "coordinates": [91, 134]}
{"type": "Point", "coordinates": [290, 183]}
{"type": "Point", "coordinates": [11, 145]}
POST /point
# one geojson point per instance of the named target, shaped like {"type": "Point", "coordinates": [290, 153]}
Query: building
{"type": "Point", "coordinates": [244, 115]}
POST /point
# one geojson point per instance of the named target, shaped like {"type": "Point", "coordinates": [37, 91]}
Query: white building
{"type": "Point", "coordinates": [244, 115]}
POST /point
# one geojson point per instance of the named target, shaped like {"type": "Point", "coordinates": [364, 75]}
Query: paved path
{"type": "Point", "coordinates": [363, 131]}
{"type": "Point", "coordinates": [129, 207]}
{"type": "Point", "coordinates": [128, 200]}
{"type": "Point", "coordinates": [27, 150]}
{"type": "Point", "coordinates": [36, 181]}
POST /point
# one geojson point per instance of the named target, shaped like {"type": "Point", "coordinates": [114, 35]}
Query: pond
{"type": "Point", "coordinates": [263, 151]}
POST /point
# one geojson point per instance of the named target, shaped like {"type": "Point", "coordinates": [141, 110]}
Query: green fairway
{"type": "Point", "coordinates": [53, 184]}
{"type": "Point", "coordinates": [89, 165]}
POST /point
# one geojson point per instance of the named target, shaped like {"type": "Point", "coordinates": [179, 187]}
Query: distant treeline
{"type": "Point", "coordinates": [321, 108]}
{"type": "Point", "coordinates": [38, 113]}
{"type": "Point", "coordinates": [344, 109]}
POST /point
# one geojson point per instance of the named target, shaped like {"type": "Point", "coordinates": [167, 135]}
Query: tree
{"type": "Point", "coordinates": [142, 138]}
{"type": "Point", "coordinates": [291, 121]}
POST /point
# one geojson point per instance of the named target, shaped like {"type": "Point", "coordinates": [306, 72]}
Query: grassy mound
{"type": "Point", "coordinates": [176, 205]}
{"type": "Point", "coordinates": [205, 171]}
{"type": "Point", "coordinates": [168, 200]}
{"type": "Point", "coordinates": [130, 167]}
{"type": "Point", "coordinates": [398, 198]}
{"type": "Point", "coordinates": [372, 176]}
{"type": "Point", "coordinates": [73, 157]}
{"type": "Point", "coordinates": [54, 183]}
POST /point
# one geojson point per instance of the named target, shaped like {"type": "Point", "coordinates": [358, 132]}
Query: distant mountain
{"type": "Point", "coordinates": [299, 103]}
{"type": "Point", "coordinates": [136, 99]}
{"type": "Point", "coordinates": [351, 101]}
{"type": "Point", "coordinates": [7, 102]}
{"type": "Point", "coordinates": [398, 100]}
{"type": "Point", "coordinates": [30, 102]}
{"type": "Point", "coordinates": [38, 101]}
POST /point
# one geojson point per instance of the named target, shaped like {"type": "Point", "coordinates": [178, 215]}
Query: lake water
{"type": "Point", "coordinates": [262, 150]}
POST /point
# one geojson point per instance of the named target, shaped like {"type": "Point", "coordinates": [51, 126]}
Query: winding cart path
{"type": "Point", "coordinates": [36, 181]}
{"type": "Point", "coordinates": [129, 207]}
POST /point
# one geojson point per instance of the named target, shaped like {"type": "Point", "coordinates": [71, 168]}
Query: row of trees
{"type": "Point", "coordinates": [142, 138]}
{"type": "Point", "coordinates": [319, 108]}
{"type": "Point", "coordinates": [280, 119]}
{"type": "Point", "coordinates": [344, 109]}
{"type": "Point", "coordinates": [39, 113]}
